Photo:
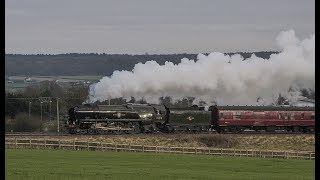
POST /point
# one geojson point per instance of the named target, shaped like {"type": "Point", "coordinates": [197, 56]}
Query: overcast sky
{"type": "Point", "coordinates": [152, 26]}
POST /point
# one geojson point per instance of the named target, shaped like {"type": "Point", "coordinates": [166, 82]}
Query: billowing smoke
{"type": "Point", "coordinates": [226, 80]}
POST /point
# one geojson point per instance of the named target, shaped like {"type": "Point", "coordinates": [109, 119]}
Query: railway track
{"type": "Point", "coordinates": [152, 134]}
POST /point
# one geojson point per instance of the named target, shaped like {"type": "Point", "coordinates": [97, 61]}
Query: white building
{"type": "Point", "coordinates": [28, 79]}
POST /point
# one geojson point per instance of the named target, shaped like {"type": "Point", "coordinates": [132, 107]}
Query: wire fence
{"type": "Point", "coordinates": [14, 143]}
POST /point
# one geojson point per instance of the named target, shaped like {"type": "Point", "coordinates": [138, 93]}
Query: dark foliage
{"type": "Point", "coordinates": [22, 123]}
{"type": "Point", "coordinates": [210, 140]}
{"type": "Point", "coordinates": [220, 141]}
{"type": "Point", "coordinates": [91, 64]}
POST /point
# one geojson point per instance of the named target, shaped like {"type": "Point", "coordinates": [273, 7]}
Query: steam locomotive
{"type": "Point", "coordinates": [147, 118]}
{"type": "Point", "coordinates": [117, 119]}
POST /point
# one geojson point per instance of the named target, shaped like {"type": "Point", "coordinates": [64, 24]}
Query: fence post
{"type": "Point", "coordinates": [101, 145]}
{"type": "Point", "coordinates": [15, 143]}
{"type": "Point", "coordinates": [209, 151]}
{"type": "Point", "coordinates": [30, 142]}
{"type": "Point", "coordinates": [259, 153]}
{"type": "Point", "coordinates": [310, 155]}
{"type": "Point", "coordinates": [59, 144]}
{"type": "Point", "coordinates": [74, 144]}
{"type": "Point", "coordinates": [88, 145]}
{"type": "Point", "coordinates": [221, 152]}
{"type": "Point", "coordinates": [45, 142]}
{"type": "Point", "coordinates": [195, 149]}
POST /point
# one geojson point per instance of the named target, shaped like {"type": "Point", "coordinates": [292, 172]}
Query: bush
{"type": "Point", "coordinates": [221, 141]}
{"type": "Point", "coordinates": [8, 124]}
{"type": "Point", "coordinates": [49, 126]}
{"type": "Point", "coordinates": [209, 140]}
{"type": "Point", "coordinates": [22, 123]}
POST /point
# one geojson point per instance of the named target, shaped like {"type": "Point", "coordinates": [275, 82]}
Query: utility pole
{"type": "Point", "coordinates": [50, 110]}
{"type": "Point", "coordinates": [58, 114]}
{"type": "Point", "coordinates": [41, 110]}
{"type": "Point", "coordinates": [43, 100]}
{"type": "Point", "coordinates": [29, 109]}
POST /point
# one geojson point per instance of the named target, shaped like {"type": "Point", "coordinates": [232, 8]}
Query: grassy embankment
{"type": "Point", "coordinates": [257, 142]}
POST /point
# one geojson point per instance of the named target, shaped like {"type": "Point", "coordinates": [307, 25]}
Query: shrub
{"type": "Point", "coordinates": [209, 140]}
{"type": "Point", "coordinates": [221, 141]}
{"type": "Point", "coordinates": [22, 123]}
{"type": "Point", "coordinates": [8, 124]}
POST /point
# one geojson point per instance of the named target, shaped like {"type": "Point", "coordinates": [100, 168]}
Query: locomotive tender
{"type": "Point", "coordinates": [146, 118]}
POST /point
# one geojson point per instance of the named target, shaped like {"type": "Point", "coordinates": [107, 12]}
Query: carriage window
{"type": "Point", "coordinates": [285, 116]}
{"type": "Point", "coordinates": [292, 116]}
{"type": "Point", "coordinates": [237, 115]}
{"type": "Point", "coordinates": [280, 115]}
{"type": "Point", "coordinates": [312, 116]}
{"type": "Point", "coordinates": [221, 115]}
{"type": "Point", "coordinates": [302, 115]}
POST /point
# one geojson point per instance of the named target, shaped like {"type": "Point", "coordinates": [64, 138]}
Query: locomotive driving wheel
{"type": "Point", "coordinates": [135, 127]}
{"type": "Point", "coordinates": [240, 129]}
{"type": "Point", "coordinates": [91, 131]}
{"type": "Point", "coordinates": [271, 129]}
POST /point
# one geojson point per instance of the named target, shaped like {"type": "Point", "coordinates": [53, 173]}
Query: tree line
{"type": "Point", "coordinates": [74, 64]}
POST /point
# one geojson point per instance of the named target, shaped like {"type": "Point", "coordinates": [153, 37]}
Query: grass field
{"type": "Point", "coordinates": [58, 164]}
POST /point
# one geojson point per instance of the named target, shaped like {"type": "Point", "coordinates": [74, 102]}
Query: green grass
{"type": "Point", "coordinates": [59, 164]}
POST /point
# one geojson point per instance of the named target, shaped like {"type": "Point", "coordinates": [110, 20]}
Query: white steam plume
{"type": "Point", "coordinates": [218, 77]}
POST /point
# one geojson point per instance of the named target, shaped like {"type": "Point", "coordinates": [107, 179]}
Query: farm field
{"type": "Point", "coordinates": [19, 83]}
{"type": "Point", "coordinates": [59, 164]}
{"type": "Point", "coordinates": [39, 78]}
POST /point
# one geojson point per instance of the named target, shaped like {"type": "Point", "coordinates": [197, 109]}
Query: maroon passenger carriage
{"type": "Point", "coordinates": [266, 118]}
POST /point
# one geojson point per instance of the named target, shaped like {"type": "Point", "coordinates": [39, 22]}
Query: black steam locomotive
{"type": "Point", "coordinates": [117, 119]}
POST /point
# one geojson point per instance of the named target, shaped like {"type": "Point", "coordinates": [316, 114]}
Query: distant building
{"type": "Point", "coordinates": [27, 80]}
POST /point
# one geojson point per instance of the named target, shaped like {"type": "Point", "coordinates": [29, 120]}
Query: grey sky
{"type": "Point", "coordinates": [162, 26]}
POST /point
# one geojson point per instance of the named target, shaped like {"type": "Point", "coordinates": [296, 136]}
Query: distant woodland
{"type": "Point", "coordinates": [75, 64]}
